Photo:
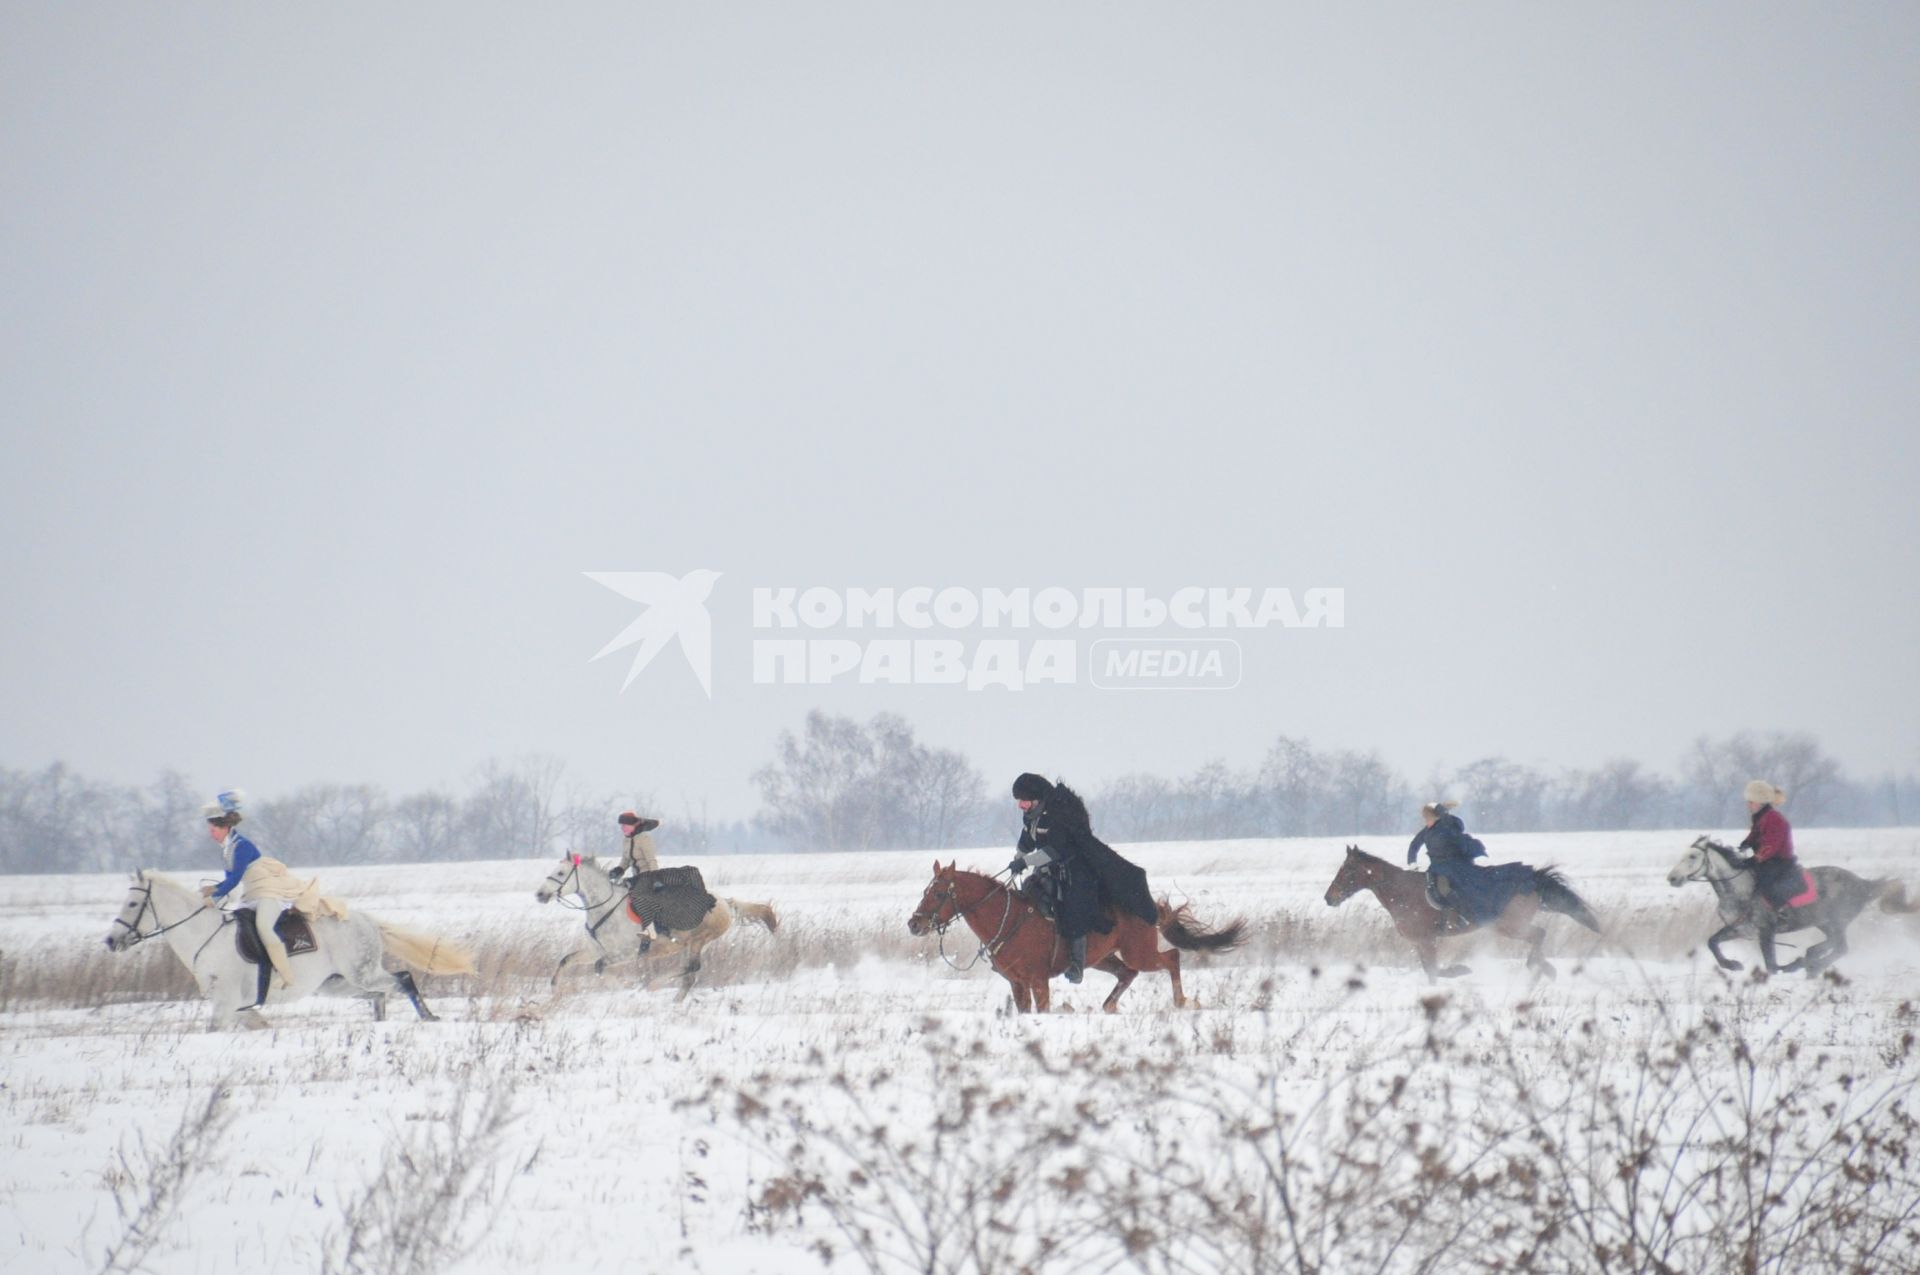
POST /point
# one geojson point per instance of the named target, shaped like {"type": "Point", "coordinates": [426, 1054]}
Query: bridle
{"type": "Point", "coordinates": [137, 936]}
{"type": "Point", "coordinates": [1710, 852]}
{"type": "Point", "coordinates": [558, 879]}
{"type": "Point", "coordinates": [944, 892]}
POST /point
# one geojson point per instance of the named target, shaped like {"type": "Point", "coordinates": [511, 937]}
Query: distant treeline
{"type": "Point", "coordinates": [839, 784]}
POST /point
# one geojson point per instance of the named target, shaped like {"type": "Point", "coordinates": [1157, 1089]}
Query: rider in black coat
{"type": "Point", "coordinates": [1082, 875]}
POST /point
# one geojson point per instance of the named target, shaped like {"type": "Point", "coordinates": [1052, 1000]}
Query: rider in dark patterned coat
{"type": "Point", "coordinates": [1080, 874]}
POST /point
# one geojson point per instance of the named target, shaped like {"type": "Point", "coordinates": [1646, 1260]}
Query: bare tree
{"type": "Point", "coordinates": [1367, 796]}
{"type": "Point", "coordinates": [1503, 795]}
{"type": "Point", "coordinates": [1619, 794]}
{"type": "Point", "coordinates": [844, 786]}
{"type": "Point", "coordinates": [426, 828]}
{"type": "Point", "coordinates": [1716, 770]}
{"type": "Point", "coordinates": [512, 812]}
{"type": "Point", "coordinates": [1292, 786]}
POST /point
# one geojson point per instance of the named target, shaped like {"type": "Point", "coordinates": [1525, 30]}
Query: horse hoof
{"type": "Point", "coordinates": [1456, 971]}
{"type": "Point", "coordinates": [1732, 967]}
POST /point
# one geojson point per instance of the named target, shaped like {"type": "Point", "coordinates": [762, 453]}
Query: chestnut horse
{"type": "Point", "coordinates": [1025, 950]}
{"type": "Point", "coordinates": [1403, 893]}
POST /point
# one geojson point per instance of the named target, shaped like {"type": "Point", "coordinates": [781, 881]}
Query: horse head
{"type": "Point", "coordinates": [939, 902]}
{"type": "Point", "coordinates": [1358, 872]}
{"type": "Point", "coordinates": [134, 909]}
{"type": "Point", "coordinates": [561, 879]}
{"type": "Point", "coordinates": [1697, 863]}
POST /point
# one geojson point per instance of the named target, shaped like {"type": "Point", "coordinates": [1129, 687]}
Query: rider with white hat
{"type": "Point", "coordinates": [263, 882]}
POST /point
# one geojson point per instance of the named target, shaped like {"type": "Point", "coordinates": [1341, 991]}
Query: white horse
{"type": "Point", "coordinates": [346, 960]}
{"type": "Point", "coordinates": [617, 936]}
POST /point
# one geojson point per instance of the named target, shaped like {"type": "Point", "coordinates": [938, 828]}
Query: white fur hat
{"type": "Point", "coordinates": [1761, 791]}
{"type": "Point", "coordinates": [1438, 807]}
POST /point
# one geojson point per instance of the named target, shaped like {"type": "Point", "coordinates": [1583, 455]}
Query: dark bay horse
{"type": "Point", "coordinates": [1403, 893]}
{"type": "Point", "coordinates": [1840, 897]}
{"type": "Point", "coordinates": [1025, 950]}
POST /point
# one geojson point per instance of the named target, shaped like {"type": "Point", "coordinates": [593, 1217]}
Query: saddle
{"type": "Point", "coordinates": [1807, 891]}
{"type": "Point", "coordinates": [669, 899]}
{"type": "Point", "coordinates": [294, 929]}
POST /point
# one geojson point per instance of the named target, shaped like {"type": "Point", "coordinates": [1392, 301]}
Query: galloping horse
{"type": "Point", "coordinates": [1403, 893]}
{"type": "Point", "coordinates": [346, 959]}
{"type": "Point", "coordinates": [1025, 950]}
{"type": "Point", "coordinates": [602, 901]}
{"type": "Point", "coordinates": [1840, 896]}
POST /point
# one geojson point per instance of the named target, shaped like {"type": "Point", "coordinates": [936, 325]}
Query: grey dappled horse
{"type": "Point", "coordinates": [1842, 897]}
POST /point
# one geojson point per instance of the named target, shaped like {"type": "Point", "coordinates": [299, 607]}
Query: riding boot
{"type": "Point", "coordinates": [1076, 959]}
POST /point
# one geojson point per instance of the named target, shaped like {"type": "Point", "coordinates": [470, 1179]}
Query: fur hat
{"type": "Point", "coordinates": [1763, 792]}
{"type": "Point", "coordinates": [1032, 787]}
{"type": "Point", "coordinates": [635, 825]}
{"type": "Point", "coordinates": [1437, 807]}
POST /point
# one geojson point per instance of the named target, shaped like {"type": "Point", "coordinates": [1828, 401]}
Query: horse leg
{"type": "Point", "coordinates": [688, 974]}
{"type": "Point", "coordinates": [1826, 952]}
{"type": "Point", "coordinates": [403, 979]}
{"type": "Point", "coordinates": [1534, 936]}
{"type": "Point", "coordinates": [555, 980]}
{"type": "Point", "coordinates": [1172, 967]}
{"type": "Point", "coordinates": [1022, 998]}
{"type": "Point", "coordinates": [1123, 974]}
{"type": "Point", "coordinates": [1719, 936]}
{"type": "Point", "coordinates": [1767, 953]}
{"type": "Point", "coordinates": [1043, 997]}
{"type": "Point", "coordinates": [1428, 954]}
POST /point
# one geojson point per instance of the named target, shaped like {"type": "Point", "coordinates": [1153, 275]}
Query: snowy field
{"type": "Point", "coordinates": [837, 1093]}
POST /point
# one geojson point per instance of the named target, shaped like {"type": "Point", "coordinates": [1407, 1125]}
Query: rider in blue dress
{"type": "Point", "coordinates": [1454, 881]}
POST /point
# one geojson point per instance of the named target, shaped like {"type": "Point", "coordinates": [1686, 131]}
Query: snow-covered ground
{"type": "Point", "coordinates": [741, 1129]}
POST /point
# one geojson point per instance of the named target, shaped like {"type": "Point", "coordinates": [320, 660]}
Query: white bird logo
{"type": "Point", "coordinates": [675, 608]}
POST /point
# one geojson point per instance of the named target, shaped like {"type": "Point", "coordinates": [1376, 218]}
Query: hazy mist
{"type": "Point", "coordinates": [1577, 348]}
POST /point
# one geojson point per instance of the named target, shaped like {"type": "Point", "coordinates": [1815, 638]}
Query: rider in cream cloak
{"type": "Point", "coordinates": [265, 885]}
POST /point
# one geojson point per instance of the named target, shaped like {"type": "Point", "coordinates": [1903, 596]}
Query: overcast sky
{"type": "Point", "coordinates": [1577, 346]}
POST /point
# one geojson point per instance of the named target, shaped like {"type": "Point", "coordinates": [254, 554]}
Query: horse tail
{"type": "Point", "coordinates": [1187, 934]}
{"type": "Point", "coordinates": [1893, 897]}
{"type": "Point", "coordinates": [424, 952]}
{"type": "Point", "coordinates": [1557, 896]}
{"type": "Point", "coordinates": [761, 912]}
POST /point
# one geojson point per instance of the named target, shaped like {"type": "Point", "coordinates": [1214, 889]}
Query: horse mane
{"type": "Point", "coordinates": [1371, 858]}
{"type": "Point", "coordinates": [1730, 853]}
{"type": "Point", "coordinates": [151, 879]}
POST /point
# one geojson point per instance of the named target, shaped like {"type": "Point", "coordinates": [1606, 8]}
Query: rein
{"type": "Point", "coordinates": [137, 936]}
{"type": "Point", "coordinates": [991, 947]}
{"type": "Point", "coordinates": [1708, 854]}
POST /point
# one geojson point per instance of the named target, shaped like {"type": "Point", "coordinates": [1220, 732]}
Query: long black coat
{"type": "Point", "coordinates": [1090, 875]}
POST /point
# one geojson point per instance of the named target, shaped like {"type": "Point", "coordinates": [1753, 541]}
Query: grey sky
{"type": "Point", "coordinates": [1578, 347]}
